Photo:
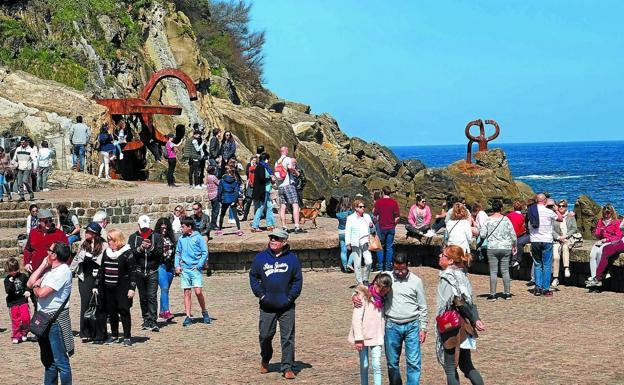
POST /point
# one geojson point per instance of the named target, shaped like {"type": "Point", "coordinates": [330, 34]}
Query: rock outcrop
{"type": "Point", "coordinates": [587, 213]}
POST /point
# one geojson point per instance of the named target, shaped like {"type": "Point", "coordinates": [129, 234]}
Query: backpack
{"type": "Point", "coordinates": [300, 181]}
{"type": "Point", "coordinates": [280, 172]}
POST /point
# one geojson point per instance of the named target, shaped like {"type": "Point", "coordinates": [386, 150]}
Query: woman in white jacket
{"type": "Point", "coordinates": [359, 226]}
{"type": "Point", "coordinates": [459, 229]}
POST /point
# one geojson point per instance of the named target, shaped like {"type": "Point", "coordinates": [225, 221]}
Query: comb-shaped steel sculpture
{"type": "Point", "coordinates": [481, 139]}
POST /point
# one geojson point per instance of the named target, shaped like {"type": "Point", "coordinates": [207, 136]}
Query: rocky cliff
{"type": "Point", "coordinates": [112, 49]}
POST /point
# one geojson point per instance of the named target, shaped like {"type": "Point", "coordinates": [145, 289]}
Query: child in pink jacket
{"type": "Point", "coordinates": [367, 326]}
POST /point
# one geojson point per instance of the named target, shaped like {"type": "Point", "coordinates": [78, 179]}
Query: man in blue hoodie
{"type": "Point", "coordinates": [190, 256]}
{"type": "Point", "coordinates": [275, 278]}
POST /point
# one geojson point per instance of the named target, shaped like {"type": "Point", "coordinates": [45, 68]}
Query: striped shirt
{"type": "Point", "coordinates": [111, 272]}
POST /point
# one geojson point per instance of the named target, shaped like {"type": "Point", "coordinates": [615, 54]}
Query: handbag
{"type": "Point", "coordinates": [447, 234]}
{"type": "Point", "coordinates": [374, 244]}
{"type": "Point", "coordinates": [90, 315]}
{"type": "Point", "coordinates": [448, 321]}
{"type": "Point", "coordinates": [41, 321]}
{"type": "Point", "coordinates": [483, 240]}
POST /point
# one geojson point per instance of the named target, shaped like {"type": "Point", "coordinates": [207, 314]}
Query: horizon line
{"type": "Point", "coordinates": [500, 143]}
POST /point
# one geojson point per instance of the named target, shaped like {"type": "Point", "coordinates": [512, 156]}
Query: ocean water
{"type": "Point", "coordinates": [565, 170]}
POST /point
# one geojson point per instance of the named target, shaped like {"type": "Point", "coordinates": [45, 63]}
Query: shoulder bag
{"type": "Point", "coordinates": [482, 241]}
{"type": "Point", "coordinates": [447, 234]}
{"type": "Point", "coordinates": [41, 321]}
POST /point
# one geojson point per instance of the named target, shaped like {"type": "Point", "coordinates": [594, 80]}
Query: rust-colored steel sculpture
{"type": "Point", "coordinates": [481, 139]}
{"type": "Point", "coordinates": [144, 110]}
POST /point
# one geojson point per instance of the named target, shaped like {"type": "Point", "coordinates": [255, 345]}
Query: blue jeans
{"type": "Point", "coordinates": [164, 282]}
{"type": "Point", "coordinates": [387, 241]}
{"type": "Point", "coordinates": [259, 207]}
{"type": "Point", "coordinates": [54, 357]}
{"type": "Point", "coordinates": [80, 150]}
{"type": "Point", "coordinates": [343, 253]}
{"type": "Point", "coordinates": [542, 262]}
{"type": "Point", "coordinates": [396, 334]}
{"type": "Point", "coordinates": [375, 364]}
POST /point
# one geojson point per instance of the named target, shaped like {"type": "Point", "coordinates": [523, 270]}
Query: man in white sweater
{"type": "Point", "coordinates": [405, 310]}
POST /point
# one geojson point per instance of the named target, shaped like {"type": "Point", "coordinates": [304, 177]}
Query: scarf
{"type": "Point", "coordinates": [145, 233]}
{"type": "Point", "coordinates": [377, 299]}
{"type": "Point", "coordinates": [115, 254]}
{"type": "Point", "coordinates": [267, 167]}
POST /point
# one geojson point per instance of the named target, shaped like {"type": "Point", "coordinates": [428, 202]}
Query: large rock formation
{"type": "Point", "coordinates": [587, 213]}
{"type": "Point", "coordinates": [335, 164]}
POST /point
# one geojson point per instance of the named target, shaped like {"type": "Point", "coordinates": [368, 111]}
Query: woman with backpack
{"type": "Point", "coordinates": [228, 195]}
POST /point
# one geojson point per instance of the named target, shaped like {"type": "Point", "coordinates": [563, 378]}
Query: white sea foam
{"type": "Point", "coordinates": [553, 177]}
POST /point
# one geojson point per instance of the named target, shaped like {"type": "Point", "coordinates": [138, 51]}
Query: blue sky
{"type": "Point", "coordinates": [415, 72]}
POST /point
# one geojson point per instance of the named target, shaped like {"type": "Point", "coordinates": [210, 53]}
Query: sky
{"type": "Point", "coordinates": [416, 72]}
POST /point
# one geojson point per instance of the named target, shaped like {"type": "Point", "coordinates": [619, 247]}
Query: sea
{"type": "Point", "coordinates": [565, 170]}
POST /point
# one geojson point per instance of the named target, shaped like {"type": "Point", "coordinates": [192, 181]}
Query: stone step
{"type": "Point", "coordinates": [13, 214]}
{"type": "Point", "coordinates": [12, 223]}
{"type": "Point", "coordinates": [8, 252]}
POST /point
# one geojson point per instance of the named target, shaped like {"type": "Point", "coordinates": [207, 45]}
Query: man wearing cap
{"type": "Point", "coordinates": [40, 239]}
{"type": "Point", "coordinates": [147, 248]}
{"type": "Point", "coordinates": [101, 218]}
{"type": "Point", "coordinates": [276, 279]}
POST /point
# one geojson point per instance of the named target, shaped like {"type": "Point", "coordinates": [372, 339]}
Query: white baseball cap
{"type": "Point", "coordinates": [144, 222]}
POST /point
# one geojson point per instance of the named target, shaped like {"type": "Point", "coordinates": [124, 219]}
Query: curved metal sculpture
{"type": "Point", "coordinates": [141, 108]}
{"type": "Point", "coordinates": [481, 139]}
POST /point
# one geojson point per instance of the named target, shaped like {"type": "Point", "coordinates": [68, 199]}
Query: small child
{"type": "Point", "coordinates": [119, 135]}
{"type": "Point", "coordinates": [367, 325]}
{"type": "Point", "coordinates": [17, 299]}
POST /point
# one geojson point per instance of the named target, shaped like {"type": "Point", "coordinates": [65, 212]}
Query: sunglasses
{"type": "Point", "coordinates": [361, 207]}
{"type": "Point", "coordinates": [51, 251]}
{"type": "Point", "coordinates": [276, 239]}
{"type": "Point", "coordinates": [563, 205]}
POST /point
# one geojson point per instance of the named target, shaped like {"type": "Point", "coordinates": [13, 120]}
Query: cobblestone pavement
{"type": "Point", "coordinates": [573, 338]}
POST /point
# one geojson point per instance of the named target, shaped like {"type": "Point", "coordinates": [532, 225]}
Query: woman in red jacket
{"type": "Point", "coordinates": [607, 232]}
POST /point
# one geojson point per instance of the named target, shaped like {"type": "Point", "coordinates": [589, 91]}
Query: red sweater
{"type": "Point", "coordinates": [517, 220]}
{"type": "Point", "coordinates": [38, 244]}
{"type": "Point", "coordinates": [386, 210]}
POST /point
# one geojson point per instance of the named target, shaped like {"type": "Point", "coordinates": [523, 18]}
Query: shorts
{"type": "Point", "coordinates": [288, 194]}
{"type": "Point", "coordinates": [190, 278]}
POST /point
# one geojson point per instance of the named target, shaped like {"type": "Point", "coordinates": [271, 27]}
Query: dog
{"type": "Point", "coordinates": [309, 214]}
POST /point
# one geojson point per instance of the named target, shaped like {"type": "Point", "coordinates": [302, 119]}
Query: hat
{"type": "Point", "coordinates": [144, 221]}
{"type": "Point", "coordinates": [44, 214]}
{"type": "Point", "coordinates": [94, 228]}
{"type": "Point", "coordinates": [279, 233]}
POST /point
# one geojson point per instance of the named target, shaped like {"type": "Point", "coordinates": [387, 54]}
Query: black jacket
{"type": "Point", "coordinates": [127, 278]}
{"type": "Point", "coordinates": [260, 181]}
{"type": "Point", "coordinates": [15, 289]}
{"type": "Point", "coordinates": [147, 260]}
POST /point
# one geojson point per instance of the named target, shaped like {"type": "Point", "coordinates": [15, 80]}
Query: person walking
{"type": "Point", "coordinates": [276, 280]}
{"type": "Point", "coordinates": [17, 295]}
{"type": "Point", "coordinates": [117, 283]}
{"type": "Point", "coordinates": [499, 232]}
{"type": "Point", "coordinates": [405, 311]}
{"type": "Point", "coordinates": [44, 165]}
{"type": "Point", "coordinates": [86, 265]}
{"type": "Point", "coordinates": [171, 150]}
{"type": "Point", "coordinates": [79, 136]}
{"type": "Point", "coordinates": [25, 158]}
{"type": "Point", "coordinates": [562, 232]}
{"type": "Point", "coordinates": [51, 284]}
{"type": "Point", "coordinates": [165, 270]}
{"type": "Point", "coordinates": [454, 347]}
{"type": "Point", "coordinates": [263, 175]}
{"type": "Point", "coordinates": [367, 326]}
{"type": "Point", "coordinates": [105, 140]}
{"type": "Point", "coordinates": [343, 211]}
{"type": "Point", "coordinates": [228, 197]}
{"type": "Point", "coordinates": [6, 175]}
{"type": "Point", "coordinates": [190, 257]}
{"type": "Point", "coordinates": [387, 215]}
{"type": "Point", "coordinates": [147, 249]}
{"type": "Point", "coordinates": [541, 245]}
{"type": "Point", "coordinates": [287, 190]}
{"type": "Point", "coordinates": [358, 227]}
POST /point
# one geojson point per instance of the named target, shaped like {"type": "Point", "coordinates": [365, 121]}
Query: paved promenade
{"type": "Point", "coordinates": [573, 338]}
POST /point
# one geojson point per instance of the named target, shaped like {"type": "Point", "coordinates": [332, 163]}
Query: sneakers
{"type": "Point", "coordinates": [155, 328]}
{"type": "Point", "coordinates": [255, 230]}
{"type": "Point", "coordinates": [206, 317]}
{"type": "Point", "coordinates": [24, 338]}
{"type": "Point", "coordinates": [516, 265]}
{"type": "Point", "coordinates": [15, 341]}
{"type": "Point", "coordinates": [548, 293]}
{"type": "Point", "coordinates": [231, 221]}
{"type": "Point", "coordinates": [289, 375]}
{"type": "Point", "coordinates": [219, 232]}
{"type": "Point", "coordinates": [530, 283]}
{"type": "Point", "coordinates": [239, 233]}
{"type": "Point", "coordinates": [430, 233]}
{"type": "Point", "coordinates": [555, 282]}
{"type": "Point", "coordinates": [166, 316]}
{"type": "Point", "coordinates": [593, 282]}
{"type": "Point", "coordinates": [566, 272]}
{"type": "Point", "coordinates": [187, 321]}
{"type": "Point", "coordinates": [264, 367]}
{"type": "Point", "coordinates": [127, 342]}
{"type": "Point", "coordinates": [491, 298]}
{"type": "Point", "coordinates": [45, 190]}
{"type": "Point", "coordinates": [110, 340]}
{"type": "Point", "coordinates": [145, 326]}
{"type": "Point", "coordinates": [506, 296]}
{"type": "Point", "coordinates": [538, 292]}
{"type": "Point", "coordinates": [198, 187]}
{"type": "Point", "coordinates": [299, 230]}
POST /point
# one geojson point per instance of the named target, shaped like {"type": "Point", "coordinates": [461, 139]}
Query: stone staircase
{"type": "Point", "coordinates": [122, 210]}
